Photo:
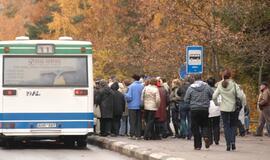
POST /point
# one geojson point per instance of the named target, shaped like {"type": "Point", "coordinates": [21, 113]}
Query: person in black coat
{"type": "Point", "coordinates": [118, 108]}
{"type": "Point", "coordinates": [105, 99]}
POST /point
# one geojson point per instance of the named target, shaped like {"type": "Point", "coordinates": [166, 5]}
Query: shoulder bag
{"type": "Point", "coordinates": [238, 103]}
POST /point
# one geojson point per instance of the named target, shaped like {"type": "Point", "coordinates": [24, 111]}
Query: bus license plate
{"type": "Point", "coordinates": [46, 125]}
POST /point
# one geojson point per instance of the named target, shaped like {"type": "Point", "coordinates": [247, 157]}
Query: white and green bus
{"type": "Point", "coordinates": [47, 90]}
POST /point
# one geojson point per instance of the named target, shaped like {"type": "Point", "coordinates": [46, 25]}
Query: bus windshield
{"type": "Point", "coordinates": [45, 71]}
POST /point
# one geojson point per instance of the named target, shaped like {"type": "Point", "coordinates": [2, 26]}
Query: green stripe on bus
{"type": "Point", "coordinates": [58, 50]}
{"type": "Point", "coordinates": [18, 45]}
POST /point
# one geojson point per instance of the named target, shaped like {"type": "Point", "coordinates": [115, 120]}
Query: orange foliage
{"type": "Point", "coordinates": [24, 12]}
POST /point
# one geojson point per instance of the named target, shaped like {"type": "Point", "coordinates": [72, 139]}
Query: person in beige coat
{"type": "Point", "coordinates": [124, 127]}
{"type": "Point", "coordinates": [151, 101]}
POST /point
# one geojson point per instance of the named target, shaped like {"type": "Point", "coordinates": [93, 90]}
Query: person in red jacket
{"type": "Point", "coordinates": [161, 113]}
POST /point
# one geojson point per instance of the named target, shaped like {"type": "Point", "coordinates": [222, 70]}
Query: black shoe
{"type": "Point", "coordinates": [164, 137]}
{"type": "Point", "coordinates": [103, 134]}
{"type": "Point", "coordinates": [146, 138]}
{"type": "Point", "coordinates": [217, 143]}
{"type": "Point", "coordinates": [207, 142]}
{"type": "Point", "coordinates": [138, 138]}
{"type": "Point", "coordinates": [113, 135]}
{"type": "Point", "coordinates": [170, 134]}
{"type": "Point", "coordinates": [177, 136]}
{"type": "Point", "coordinates": [228, 148]}
{"type": "Point", "coordinates": [257, 135]}
{"type": "Point", "coordinates": [233, 147]}
{"type": "Point", "coordinates": [157, 138]}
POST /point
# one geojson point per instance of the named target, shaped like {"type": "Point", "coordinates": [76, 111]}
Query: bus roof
{"type": "Point", "coordinates": [59, 46]}
{"type": "Point", "coordinates": [56, 42]}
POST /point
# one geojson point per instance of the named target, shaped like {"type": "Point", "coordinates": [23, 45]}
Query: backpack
{"type": "Point", "coordinates": [181, 92]}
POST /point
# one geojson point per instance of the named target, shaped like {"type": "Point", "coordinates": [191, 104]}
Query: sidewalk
{"type": "Point", "coordinates": [247, 148]}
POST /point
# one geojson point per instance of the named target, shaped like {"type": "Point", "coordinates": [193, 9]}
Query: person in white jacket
{"type": "Point", "coordinates": [150, 100]}
{"type": "Point", "coordinates": [214, 115]}
{"type": "Point", "coordinates": [228, 90]}
{"type": "Point", "coordinates": [241, 117]}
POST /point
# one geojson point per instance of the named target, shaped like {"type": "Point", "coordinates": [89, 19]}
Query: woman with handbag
{"type": "Point", "coordinates": [230, 93]}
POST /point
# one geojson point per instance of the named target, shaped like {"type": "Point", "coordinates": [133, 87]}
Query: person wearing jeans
{"type": "Point", "coordinates": [185, 121]}
{"type": "Point", "coordinates": [228, 90]}
{"type": "Point", "coordinates": [124, 126]}
{"type": "Point", "coordinates": [230, 124]}
{"type": "Point", "coordinates": [185, 130]}
{"type": "Point", "coordinates": [247, 119]}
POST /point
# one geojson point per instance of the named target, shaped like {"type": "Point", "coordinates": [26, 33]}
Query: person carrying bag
{"type": "Point", "coordinates": [229, 92]}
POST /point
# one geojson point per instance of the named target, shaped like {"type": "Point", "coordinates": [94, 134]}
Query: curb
{"type": "Point", "coordinates": [129, 149]}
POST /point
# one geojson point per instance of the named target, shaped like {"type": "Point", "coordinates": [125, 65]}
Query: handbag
{"type": "Point", "coordinates": [238, 102]}
{"type": "Point", "coordinates": [97, 113]}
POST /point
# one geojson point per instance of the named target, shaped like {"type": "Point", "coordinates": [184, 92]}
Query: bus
{"type": "Point", "coordinates": [47, 90]}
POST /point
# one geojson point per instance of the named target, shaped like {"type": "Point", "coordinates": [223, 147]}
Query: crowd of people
{"type": "Point", "coordinates": [145, 108]}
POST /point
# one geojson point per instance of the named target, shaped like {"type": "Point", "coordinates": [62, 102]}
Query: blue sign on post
{"type": "Point", "coordinates": [194, 58]}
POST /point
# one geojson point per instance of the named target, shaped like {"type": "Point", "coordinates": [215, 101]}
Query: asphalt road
{"type": "Point", "coordinates": [50, 151]}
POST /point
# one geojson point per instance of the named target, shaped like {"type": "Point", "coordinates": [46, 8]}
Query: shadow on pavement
{"type": "Point", "coordinates": [40, 145]}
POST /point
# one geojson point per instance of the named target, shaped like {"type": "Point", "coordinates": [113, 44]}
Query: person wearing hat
{"type": "Point", "coordinates": [264, 103]}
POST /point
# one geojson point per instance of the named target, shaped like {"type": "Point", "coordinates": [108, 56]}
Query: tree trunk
{"type": "Point", "coordinates": [261, 69]}
{"type": "Point", "coordinates": [214, 61]}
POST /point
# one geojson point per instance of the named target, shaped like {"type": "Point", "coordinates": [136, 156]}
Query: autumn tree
{"type": "Point", "coordinates": [16, 15]}
{"type": "Point", "coordinates": [250, 51]}
{"type": "Point", "coordinates": [62, 22]}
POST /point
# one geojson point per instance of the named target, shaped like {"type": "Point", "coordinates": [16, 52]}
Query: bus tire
{"type": "Point", "coordinates": [8, 143]}
{"type": "Point", "coordinates": [70, 143]}
{"type": "Point", "coordinates": [81, 142]}
{"type": "Point", "coordinates": [2, 142]}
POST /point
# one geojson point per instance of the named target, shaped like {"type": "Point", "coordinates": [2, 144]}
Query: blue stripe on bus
{"type": "Point", "coordinates": [59, 125]}
{"type": "Point", "coordinates": [47, 116]}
